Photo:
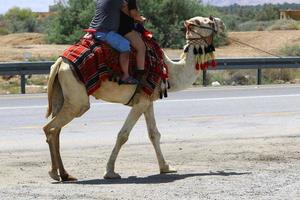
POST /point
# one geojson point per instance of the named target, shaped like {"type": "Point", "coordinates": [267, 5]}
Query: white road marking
{"type": "Point", "coordinates": [21, 107]}
{"type": "Point", "coordinates": [170, 101]}
{"type": "Point", "coordinates": [232, 98]}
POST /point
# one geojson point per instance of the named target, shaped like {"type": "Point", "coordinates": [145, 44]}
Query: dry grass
{"type": "Point", "coordinates": [35, 84]}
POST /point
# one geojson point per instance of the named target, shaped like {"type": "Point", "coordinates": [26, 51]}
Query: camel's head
{"type": "Point", "coordinates": [203, 27]}
{"type": "Point", "coordinates": [200, 32]}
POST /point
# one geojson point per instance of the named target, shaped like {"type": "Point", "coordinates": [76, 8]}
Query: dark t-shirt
{"type": "Point", "coordinates": [132, 4]}
{"type": "Point", "coordinates": [107, 16]}
{"type": "Point", "coordinates": [127, 22]}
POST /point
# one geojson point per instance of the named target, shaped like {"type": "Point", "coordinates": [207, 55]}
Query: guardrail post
{"type": "Point", "coordinates": [23, 84]}
{"type": "Point", "coordinates": [204, 78]}
{"type": "Point", "coordinates": [259, 76]}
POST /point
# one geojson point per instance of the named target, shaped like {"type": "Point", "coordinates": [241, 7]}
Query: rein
{"type": "Point", "coordinates": [253, 47]}
{"type": "Point", "coordinates": [202, 38]}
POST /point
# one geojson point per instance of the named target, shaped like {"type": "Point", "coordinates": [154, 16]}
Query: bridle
{"type": "Point", "coordinates": [203, 47]}
{"type": "Point", "coordinates": [200, 37]}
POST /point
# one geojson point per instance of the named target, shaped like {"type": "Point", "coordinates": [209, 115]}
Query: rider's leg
{"type": "Point", "coordinates": [138, 44]}
{"type": "Point", "coordinates": [124, 63]}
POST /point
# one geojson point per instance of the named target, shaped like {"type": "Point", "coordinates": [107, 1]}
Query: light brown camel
{"type": "Point", "coordinates": [68, 99]}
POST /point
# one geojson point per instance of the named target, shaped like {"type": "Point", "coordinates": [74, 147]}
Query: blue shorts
{"type": "Point", "coordinates": [115, 40]}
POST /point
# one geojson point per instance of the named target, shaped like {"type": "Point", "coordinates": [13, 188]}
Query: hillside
{"type": "Point", "coordinates": [15, 46]}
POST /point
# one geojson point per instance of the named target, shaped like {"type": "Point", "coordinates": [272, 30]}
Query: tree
{"type": "Point", "coordinates": [268, 12]}
{"type": "Point", "coordinates": [167, 16]}
{"type": "Point", "coordinates": [68, 23]}
{"type": "Point", "coordinates": [21, 20]}
{"type": "Point", "coordinates": [166, 19]}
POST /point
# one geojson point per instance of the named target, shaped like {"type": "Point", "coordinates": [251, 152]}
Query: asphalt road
{"type": "Point", "coordinates": [207, 110]}
{"type": "Point", "coordinates": [226, 143]}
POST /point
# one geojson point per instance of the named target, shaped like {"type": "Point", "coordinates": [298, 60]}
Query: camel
{"type": "Point", "coordinates": [68, 99]}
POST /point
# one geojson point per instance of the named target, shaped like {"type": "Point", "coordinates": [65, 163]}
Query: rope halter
{"type": "Point", "coordinates": [199, 35]}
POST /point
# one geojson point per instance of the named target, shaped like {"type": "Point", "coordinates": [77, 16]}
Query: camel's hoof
{"type": "Point", "coordinates": [67, 177]}
{"type": "Point", "coordinates": [54, 175]}
{"type": "Point", "coordinates": [168, 169]}
{"type": "Point", "coordinates": [111, 175]}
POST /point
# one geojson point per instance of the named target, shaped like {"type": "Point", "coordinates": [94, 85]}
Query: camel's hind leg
{"type": "Point", "coordinates": [75, 103]}
{"type": "Point", "coordinates": [135, 113]}
{"type": "Point", "coordinates": [57, 103]}
{"type": "Point", "coordinates": [52, 131]}
{"type": "Point", "coordinates": [154, 136]}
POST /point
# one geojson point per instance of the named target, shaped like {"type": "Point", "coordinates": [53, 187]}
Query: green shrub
{"type": "Point", "coordinates": [291, 50]}
{"type": "Point", "coordinates": [267, 12]}
{"type": "Point", "coordinates": [278, 75]}
{"type": "Point", "coordinates": [66, 27]}
{"type": "Point", "coordinates": [37, 80]}
{"type": "Point", "coordinates": [254, 26]}
{"type": "Point", "coordinates": [166, 19]}
{"type": "Point", "coordinates": [284, 75]}
{"type": "Point", "coordinates": [20, 20]}
{"type": "Point", "coordinates": [285, 25]}
{"type": "Point", "coordinates": [223, 77]}
{"type": "Point", "coordinates": [268, 25]}
{"type": "Point", "coordinates": [4, 31]}
{"type": "Point", "coordinates": [221, 40]}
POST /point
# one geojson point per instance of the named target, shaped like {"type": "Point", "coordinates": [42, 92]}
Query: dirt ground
{"type": "Point", "coordinates": [22, 46]}
{"type": "Point", "coordinates": [216, 168]}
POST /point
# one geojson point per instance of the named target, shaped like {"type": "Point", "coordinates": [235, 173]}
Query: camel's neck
{"type": "Point", "coordinates": [182, 74]}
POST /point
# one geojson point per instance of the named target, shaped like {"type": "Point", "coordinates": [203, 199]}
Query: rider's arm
{"type": "Point", "coordinates": [130, 8]}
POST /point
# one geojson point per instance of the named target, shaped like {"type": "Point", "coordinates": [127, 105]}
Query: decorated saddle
{"type": "Point", "coordinates": [95, 61]}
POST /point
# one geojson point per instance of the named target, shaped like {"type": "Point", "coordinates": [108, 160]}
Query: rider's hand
{"type": "Point", "coordinates": [142, 20]}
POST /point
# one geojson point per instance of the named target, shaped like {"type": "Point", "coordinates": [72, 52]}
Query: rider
{"type": "Point", "coordinates": [129, 16]}
{"type": "Point", "coordinates": [106, 22]}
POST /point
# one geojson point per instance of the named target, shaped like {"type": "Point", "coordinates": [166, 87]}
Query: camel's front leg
{"type": "Point", "coordinates": [154, 136]}
{"type": "Point", "coordinates": [123, 135]}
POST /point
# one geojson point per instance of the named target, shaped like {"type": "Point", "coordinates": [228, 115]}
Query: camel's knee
{"type": "Point", "coordinates": [154, 135]}
{"type": "Point", "coordinates": [123, 137]}
{"type": "Point", "coordinates": [50, 132]}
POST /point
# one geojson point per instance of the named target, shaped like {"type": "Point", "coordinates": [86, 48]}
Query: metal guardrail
{"type": "Point", "coordinates": [23, 69]}
{"type": "Point", "coordinates": [259, 63]}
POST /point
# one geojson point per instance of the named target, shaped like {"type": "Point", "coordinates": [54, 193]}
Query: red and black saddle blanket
{"type": "Point", "coordinates": [96, 61]}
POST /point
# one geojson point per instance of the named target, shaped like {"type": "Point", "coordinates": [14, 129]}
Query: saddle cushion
{"type": "Point", "coordinates": [96, 61]}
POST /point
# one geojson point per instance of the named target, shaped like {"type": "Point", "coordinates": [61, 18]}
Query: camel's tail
{"type": "Point", "coordinates": [52, 76]}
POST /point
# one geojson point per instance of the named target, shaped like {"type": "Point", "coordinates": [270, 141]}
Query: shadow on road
{"type": "Point", "coordinates": [155, 179]}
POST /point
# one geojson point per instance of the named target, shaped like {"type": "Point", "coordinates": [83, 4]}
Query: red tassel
{"type": "Point", "coordinates": [165, 74]}
{"type": "Point", "coordinates": [202, 66]}
{"type": "Point", "coordinates": [198, 66]}
{"type": "Point", "coordinates": [214, 64]}
{"type": "Point", "coordinates": [206, 65]}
